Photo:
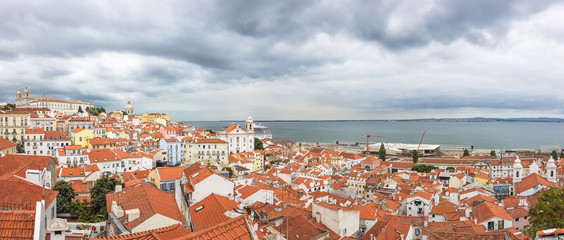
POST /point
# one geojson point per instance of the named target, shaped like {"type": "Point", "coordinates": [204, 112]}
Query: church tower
{"type": "Point", "coordinates": [249, 124]}
{"type": "Point", "coordinates": [19, 98]}
{"type": "Point", "coordinates": [551, 170]}
{"type": "Point", "coordinates": [517, 171]}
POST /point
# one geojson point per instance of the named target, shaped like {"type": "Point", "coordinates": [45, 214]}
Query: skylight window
{"type": "Point", "coordinates": [199, 208]}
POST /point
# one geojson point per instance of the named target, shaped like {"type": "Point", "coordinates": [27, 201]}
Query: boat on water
{"type": "Point", "coordinates": [262, 132]}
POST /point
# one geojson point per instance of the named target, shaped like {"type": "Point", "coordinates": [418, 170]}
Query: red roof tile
{"type": "Point", "coordinates": [236, 228]}
{"type": "Point", "coordinates": [4, 143]}
{"type": "Point", "coordinates": [531, 181]}
{"type": "Point", "coordinates": [149, 200]}
{"type": "Point", "coordinates": [211, 211]}
{"type": "Point", "coordinates": [170, 173]}
{"type": "Point", "coordinates": [170, 232]}
{"type": "Point", "coordinates": [28, 193]}
{"type": "Point", "coordinates": [17, 224]}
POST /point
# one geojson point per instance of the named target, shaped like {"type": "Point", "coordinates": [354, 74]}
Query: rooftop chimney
{"type": "Point", "coordinates": [132, 214]}
{"type": "Point", "coordinates": [117, 210]}
{"type": "Point", "coordinates": [118, 188]}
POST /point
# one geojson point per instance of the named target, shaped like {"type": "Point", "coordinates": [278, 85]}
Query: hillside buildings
{"type": "Point", "coordinates": [25, 100]}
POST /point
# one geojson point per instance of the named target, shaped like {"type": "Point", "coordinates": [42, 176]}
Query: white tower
{"type": "Point", "coordinates": [551, 170]}
{"type": "Point", "coordinates": [517, 171]}
{"type": "Point", "coordinates": [534, 168]}
{"type": "Point", "coordinates": [249, 124]}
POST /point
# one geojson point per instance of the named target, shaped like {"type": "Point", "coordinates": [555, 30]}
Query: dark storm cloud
{"type": "Point", "coordinates": [106, 52]}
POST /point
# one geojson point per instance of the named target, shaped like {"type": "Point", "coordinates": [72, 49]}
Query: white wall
{"type": "Point", "coordinates": [154, 222]}
{"type": "Point", "coordinates": [212, 184]}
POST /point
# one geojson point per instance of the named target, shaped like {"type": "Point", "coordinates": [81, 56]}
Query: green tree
{"type": "Point", "coordinates": [450, 169]}
{"type": "Point", "coordinates": [423, 168]}
{"type": "Point", "coordinates": [80, 109]}
{"type": "Point", "coordinates": [382, 152]}
{"type": "Point", "coordinates": [124, 113]}
{"type": "Point", "coordinates": [554, 154]}
{"type": "Point", "coordinates": [65, 197]}
{"type": "Point", "coordinates": [548, 213]}
{"type": "Point", "coordinates": [8, 107]}
{"type": "Point", "coordinates": [84, 212]}
{"type": "Point", "coordinates": [258, 144]}
{"type": "Point", "coordinates": [415, 156]}
{"type": "Point", "coordinates": [466, 153]}
{"type": "Point", "coordinates": [267, 167]}
{"type": "Point", "coordinates": [492, 153]}
{"type": "Point", "coordinates": [98, 193]}
{"type": "Point", "coordinates": [19, 148]}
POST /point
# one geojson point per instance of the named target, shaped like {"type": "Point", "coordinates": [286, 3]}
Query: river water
{"type": "Point", "coordinates": [486, 135]}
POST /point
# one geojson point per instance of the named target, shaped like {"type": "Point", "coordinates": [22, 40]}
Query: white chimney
{"type": "Point", "coordinates": [132, 214]}
{"type": "Point", "coordinates": [117, 210]}
{"type": "Point", "coordinates": [118, 188]}
{"type": "Point", "coordinates": [475, 221]}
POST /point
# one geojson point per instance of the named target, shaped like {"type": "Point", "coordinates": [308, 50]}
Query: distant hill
{"type": "Point", "coordinates": [481, 119]}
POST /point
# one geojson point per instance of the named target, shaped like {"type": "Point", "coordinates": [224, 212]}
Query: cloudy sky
{"type": "Point", "coordinates": [221, 60]}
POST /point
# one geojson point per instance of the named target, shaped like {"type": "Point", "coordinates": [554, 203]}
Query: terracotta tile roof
{"type": "Point", "coordinates": [139, 174]}
{"type": "Point", "coordinates": [18, 164]}
{"type": "Point", "coordinates": [73, 147]}
{"type": "Point", "coordinates": [236, 228]}
{"type": "Point", "coordinates": [79, 186]}
{"type": "Point", "coordinates": [210, 211]}
{"type": "Point", "coordinates": [55, 134]}
{"type": "Point", "coordinates": [231, 128]}
{"type": "Point", "coordinates": [102, 155]}
{"type": "Point", "coordinates": [510, 202]}
{"type": "Point", "coordinates": [298, 228]}
{"type": "Point", "coordinates": [487, 210]}
{"type": "Point", "coordinates": [77, 130]}
{"type": "Point", "coordinates": [366, 211]}
{"type": "Point", "coordinates": [71, 172]}
{"type": "Point", "coordinates": [91, 168]}
{"type": "Point", "coordinates": [4, 143]}
{"type": "Point", "coordinates": [421, 194]}
{"type": "Point", "coordinates": [518, 212]}
{"type": "Point", "coordinates": [149, 200]}
{"type": "Point", "coordinates": [531, 181]}
{"type": "Point", "coordinates": [170, 232]}
{"type": "Point", "coordinates": [101, 141]}
{"type": "Point", "coordinates": [209, 140]}
{"type": "Point", "coordinates": [170, 173]}
{"type": "Point", "coordinates": [17, 224]}
{"type": "Point", "coordinates": [246, 191]}
{"type": "Point", "coordinates": [479, 198]}
{"type": "Point", "coordinates": [28, 193]}
{"type": "Point", "coordinates": [34, 131]}
{"type": "Point", "coordinates": [451, 229]}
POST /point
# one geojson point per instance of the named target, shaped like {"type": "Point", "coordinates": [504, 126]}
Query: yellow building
{"type": "Point", "coordinates": [150, 117]}
{"type": "Point", "coordinates": [13, 125]}
{"type": "Point", "coordinates": [80, 136]}
{"type": "Point", "coordinates": [258, 161]}
{"type": "Point", "coordinates": [483, 178]}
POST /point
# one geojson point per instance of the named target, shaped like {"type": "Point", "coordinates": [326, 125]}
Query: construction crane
{"type": "Point", "coordinates": [368, 136]}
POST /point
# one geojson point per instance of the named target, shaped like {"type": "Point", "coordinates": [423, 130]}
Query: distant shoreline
{"type": "Point", "coordinates": [477, 119]}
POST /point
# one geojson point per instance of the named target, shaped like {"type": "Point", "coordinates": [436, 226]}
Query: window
{"type": "Point", "coordinates": [516, 219]}
{"type": "Point", "coordinates": [490, 226]}
{"type": "Point", "coordinates": [500, 224]}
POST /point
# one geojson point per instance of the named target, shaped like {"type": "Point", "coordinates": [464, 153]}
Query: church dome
{"type": "Point", "coordinates": [129, 107]}
{"type": "Point", "coordinates": [249, 119]}
{"type": "Point", "coordinates": [25, 90]}
{"type": "Point", "coordinates": [19, 92]}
